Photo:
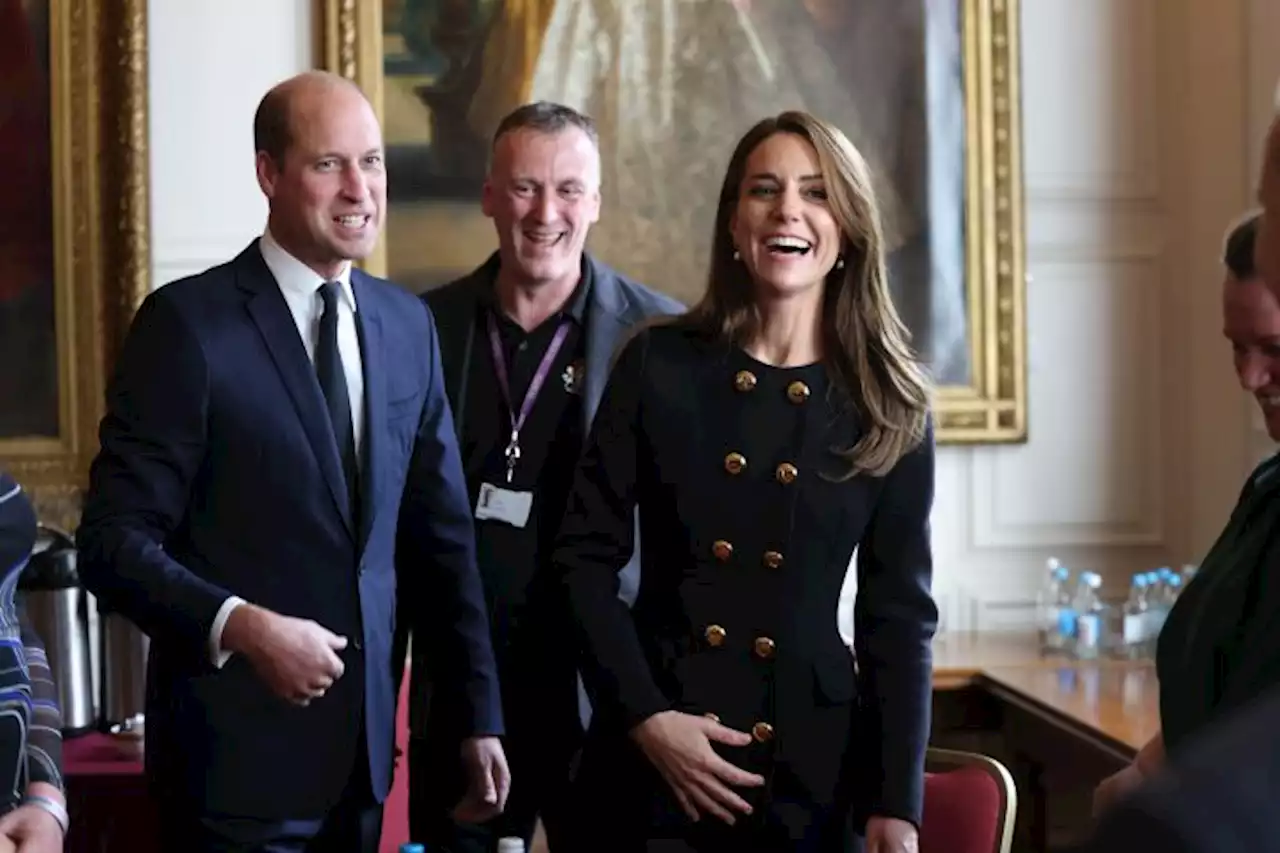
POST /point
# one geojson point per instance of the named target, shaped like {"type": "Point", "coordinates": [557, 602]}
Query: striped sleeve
{"type": "Point", "coordinates": [44, 741]}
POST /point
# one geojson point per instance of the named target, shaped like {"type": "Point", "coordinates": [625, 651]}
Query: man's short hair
{"type": "Point", "coordinates": [1237, 252]}
{"type": "Point", "coordinates": [546, 117]}
{"type": "Point", "coordinates": [272, 131]}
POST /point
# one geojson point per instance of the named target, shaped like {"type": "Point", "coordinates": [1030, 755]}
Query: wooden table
{"type": "Point", "coordinates": [1061, 725]}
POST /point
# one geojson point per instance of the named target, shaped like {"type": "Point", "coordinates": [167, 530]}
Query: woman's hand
{"type": "Point", "coordinates": [32, 830]}
{"type": "Point", "coordinates": [679, 745]}
{"type": "Point", "coordinates": [891, 835]}
{"type": "Point", "coordinates": [1115, 788]}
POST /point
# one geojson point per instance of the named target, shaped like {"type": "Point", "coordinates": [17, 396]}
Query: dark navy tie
{"type": "Point", "coordinates": [333, 382]}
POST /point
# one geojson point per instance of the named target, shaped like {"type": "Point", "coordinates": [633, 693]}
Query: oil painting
{"type": "Point", "coordinates": [73, 230]}
{"type": "Point", "coordinates": [28, 339]}
{"type": "Point", "coordinates": [927, 90]}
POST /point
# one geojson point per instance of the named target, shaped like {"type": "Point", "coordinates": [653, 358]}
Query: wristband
{"type": "Point", "coordinates": [52, 806]}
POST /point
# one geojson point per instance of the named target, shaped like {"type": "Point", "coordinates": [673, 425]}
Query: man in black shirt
{"type": "Point", "coordinates": [526, 343]}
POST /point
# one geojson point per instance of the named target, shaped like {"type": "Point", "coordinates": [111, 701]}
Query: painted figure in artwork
{"type": "Point", "coordinates": [671, 80]}
{"type": "Point", "coordinates": [669, 83]}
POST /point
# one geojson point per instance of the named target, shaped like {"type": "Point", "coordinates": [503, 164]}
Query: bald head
{"type": "Point", "coordinates": [1267, 248]}
{"type": "Point", "coordinates": [273, 123]}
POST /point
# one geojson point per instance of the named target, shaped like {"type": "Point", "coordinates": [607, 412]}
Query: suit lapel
{"type": "Point", "coordinates": [607, 323]}
{"type": "Point", "coordinates": [373, 359]}
{"type": "Point", "coordinates": [271, 315]}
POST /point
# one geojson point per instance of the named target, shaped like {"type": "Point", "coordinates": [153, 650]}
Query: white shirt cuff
{"type": "Point", "coordinates": [216, 653]}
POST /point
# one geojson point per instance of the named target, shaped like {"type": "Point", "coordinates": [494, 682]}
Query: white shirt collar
{"type": "Point", "coordinates": [295, 278]}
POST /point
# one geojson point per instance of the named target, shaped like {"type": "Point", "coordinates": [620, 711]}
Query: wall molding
{"type": "Point", "coordinates": [1133, 35]}
{"type": "Point", "coordinates": [1145, 525]}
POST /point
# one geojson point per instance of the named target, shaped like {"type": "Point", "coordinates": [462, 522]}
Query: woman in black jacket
{"type": "Point", "coordinates": [763, 437]}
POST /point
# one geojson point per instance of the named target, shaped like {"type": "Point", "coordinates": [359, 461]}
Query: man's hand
{"type": "Point", "coordinates": [488, 780]}
{"type": "Point", "coordinates": [679, 745]}
{"type": "Point", "coordinates": [1115, 787]}
{"type": "Point", "coordinates": [31, 829]}
{"type": "Point", "coordinates": [891, 835]}
{"type": "Point", "coordinates": [297, 658]}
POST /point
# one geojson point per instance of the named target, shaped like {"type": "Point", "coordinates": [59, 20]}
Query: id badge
{"type": "Point", "coordinates": [495, 503]}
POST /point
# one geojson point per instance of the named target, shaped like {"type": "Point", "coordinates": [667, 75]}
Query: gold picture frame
{"type": "Point", "coordinates": [96, 74]}
{"type": "Point", "coordinates": [989, 404]}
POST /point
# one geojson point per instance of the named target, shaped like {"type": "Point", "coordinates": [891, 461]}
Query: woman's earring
{"type": "Point", "coordinates": [736, 256]}
{"type": "Point", "coordinates": [840, 262]}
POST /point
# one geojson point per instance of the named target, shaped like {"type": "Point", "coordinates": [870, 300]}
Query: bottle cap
{"type": "Point", "coordinates": [412, 848]}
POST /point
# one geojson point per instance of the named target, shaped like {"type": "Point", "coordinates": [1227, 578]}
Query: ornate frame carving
{"type": "Point", "coordinates": [992, 407]}
{"type": "Point", "coordinates": [98, 62]}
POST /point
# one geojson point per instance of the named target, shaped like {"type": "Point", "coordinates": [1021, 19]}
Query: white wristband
{"type": "Point", "coordinates": [52, 806]}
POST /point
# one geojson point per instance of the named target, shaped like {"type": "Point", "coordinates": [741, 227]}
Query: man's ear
{"type": "Point", "coordinates": [486, 198]}
{"type": "Point", "coordinates": [268, 173]}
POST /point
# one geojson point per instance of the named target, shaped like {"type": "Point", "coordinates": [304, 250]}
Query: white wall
{"type": "Point", "coordinates": [1143, 120]}
{"type": "Point", "coordinates": [211, 61]}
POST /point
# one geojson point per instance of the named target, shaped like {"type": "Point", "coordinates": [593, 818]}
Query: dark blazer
{"type": "Point", "coordinates": [745, 542]}
{"type": "Point", "coordinates": [1216, 796]}
{"type": "Point", "coordinates": [218, 475]}
{"type": "Point", "coordinates": [615, 305]}
{"type": "Point", "coordinates": [1220, 647]}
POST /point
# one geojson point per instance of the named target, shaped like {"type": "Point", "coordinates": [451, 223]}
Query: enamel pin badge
{"type": "Point", "coordinates": [572, 377]}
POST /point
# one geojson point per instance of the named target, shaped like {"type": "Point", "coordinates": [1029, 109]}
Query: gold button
{"type": "Point", "coordinates": [712, 717]}
{"type": "Point", "coordinates": [722, 550]}
{"type": "Point", "coordinates": [765, 647]}
{"type": "Point", "coordinates": [715, 635]}
{"type": "Point", "coordinates": [762, 732]}
{"type": "Point", "coordinates": [787, 473]}
{"type": "Point", "coordinates": [745, 380]}
{"type": "Point", "coordinates": [734, 463]}
{"type": "Point", "coordinates": [797, 392]}
{"type": "Point", "coordinates": [772, 559]}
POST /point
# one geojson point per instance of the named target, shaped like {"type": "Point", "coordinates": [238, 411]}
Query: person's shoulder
{"type": "Point", "coordinates": [665, 340]}
{"type": "Point", "coordinates": [451, 291]}
{"type": "Point", "coordinates": [195, 297]}
{"type": "Point", "coordinates": [652, 302]}
{"type": "Point", "coordinates": [648, 301]}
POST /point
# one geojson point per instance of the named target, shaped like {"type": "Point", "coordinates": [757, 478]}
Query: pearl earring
{"type": "Point", "coordinates": [736, 256]}
{"type": "Point", "coordinates": [840, 263]}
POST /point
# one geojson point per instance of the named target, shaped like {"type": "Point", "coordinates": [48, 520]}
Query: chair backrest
{"type": "Point", "coordinates": [970, 803]}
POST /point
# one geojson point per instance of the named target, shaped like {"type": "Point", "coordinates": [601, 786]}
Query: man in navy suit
{"type": "Point", "coordinates": [526, 341]}
{"type": "Point", "coordinates": [273, 425]}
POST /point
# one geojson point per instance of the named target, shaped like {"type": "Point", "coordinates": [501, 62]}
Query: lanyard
{"type": "Point", "coordinates": [504, 384]}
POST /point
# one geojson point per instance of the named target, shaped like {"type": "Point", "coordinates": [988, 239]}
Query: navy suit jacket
{"type": "Point", "coordinates": [218, 474]}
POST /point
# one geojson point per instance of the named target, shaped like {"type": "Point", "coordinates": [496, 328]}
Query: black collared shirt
{"type": "Point", "coordinates": [510, 558]}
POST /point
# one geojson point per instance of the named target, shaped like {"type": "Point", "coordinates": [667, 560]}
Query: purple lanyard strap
{"type": "Point", "coordinates": [535, 386]}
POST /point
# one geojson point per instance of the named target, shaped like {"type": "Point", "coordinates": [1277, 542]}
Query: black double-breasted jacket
{"type": "Point", "coordinates": [748, 524]}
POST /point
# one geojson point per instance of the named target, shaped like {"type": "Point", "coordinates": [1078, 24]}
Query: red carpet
{"type": "Point", "coordinates": [395, 818]}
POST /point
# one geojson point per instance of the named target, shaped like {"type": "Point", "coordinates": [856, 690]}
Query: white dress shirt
{"type": "Point", "coordinates": [300, 287]}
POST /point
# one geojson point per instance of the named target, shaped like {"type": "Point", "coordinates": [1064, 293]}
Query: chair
{"type": "Point", "coordinates": [969, 804]}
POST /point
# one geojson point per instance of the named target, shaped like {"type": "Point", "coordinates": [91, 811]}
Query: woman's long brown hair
{"type": "Point", "coordinates": [866, 344]}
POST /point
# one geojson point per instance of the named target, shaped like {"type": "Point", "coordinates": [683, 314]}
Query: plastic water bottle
{"type": "Point", "coordinates": [1056, 617]}
{"type": "Point", "coordinates": [510, 845]}
{"type": "Point", "coordinates": [1137, 624]}
{"type": "Point", "coordinates": [1089, 621]}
